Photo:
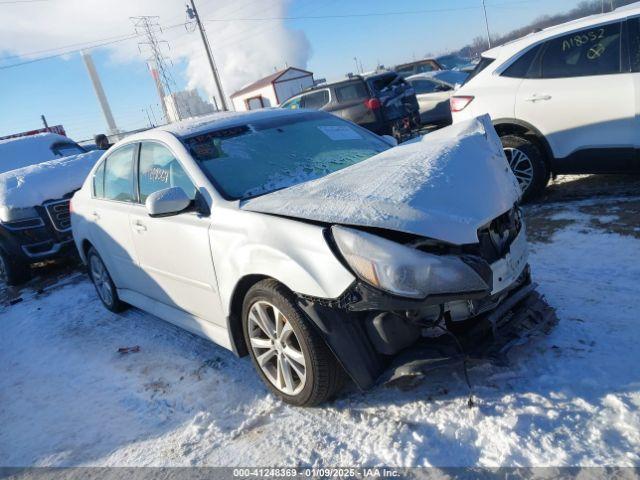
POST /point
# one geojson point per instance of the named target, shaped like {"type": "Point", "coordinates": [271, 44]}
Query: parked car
{"type": "Point", "coordinates": [38, 175]}
{"type": "Point", "coordinates": [303, 240]}
{"type": "Point", "coordinates": [561, 99]}
{"type": "Point", "coordinates": [419, 66]}
{"type": "Point", "coordinates": [381, 102]}
{"type": "Point", "coordinates": [456, 62]}
{"type": "Point", "coordinates": [433, 91]}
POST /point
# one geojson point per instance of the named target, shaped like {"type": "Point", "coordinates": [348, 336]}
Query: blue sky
{"type": "Point", "coordinates": [60, 88]}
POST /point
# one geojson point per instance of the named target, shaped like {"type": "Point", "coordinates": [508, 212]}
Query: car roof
{"type": "Point", "coordinates": [441, 76]}
{"type": "Point", "coordinates": [517, 45]}
{"type": "Point", "coordinates": [416, 62]}
{"type": "Point", "coordinates": [219, 121]}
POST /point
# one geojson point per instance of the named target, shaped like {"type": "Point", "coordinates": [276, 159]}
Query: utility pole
{"type": "Point", "coordinates": [486, 23]}
{"type": "Point", "coordinates": [192, 12]}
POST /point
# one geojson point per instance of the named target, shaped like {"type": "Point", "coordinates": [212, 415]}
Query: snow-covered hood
{"type": "Point", "coordinates": [32, 185]}
{"type": "Point", "coordinates": [444, 185]}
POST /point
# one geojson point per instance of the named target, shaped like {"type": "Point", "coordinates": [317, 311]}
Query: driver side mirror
{"type": "Point", "coordinates": [167, 202]}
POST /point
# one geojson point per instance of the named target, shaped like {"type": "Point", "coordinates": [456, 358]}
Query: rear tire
{"type": "Point", "coordinates": [285, 348]}
{"type": "Point", "coordinates": [12, 270]}
{"type": "Point", "coordinates": [528, 165]}
{"type": "Point", "coordinates": [105, 288]}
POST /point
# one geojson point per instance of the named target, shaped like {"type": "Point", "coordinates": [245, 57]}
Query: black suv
{"type": "Point", "coordinates": [381, 102]}
{"type": "Point", "coordinates": [31, 234]}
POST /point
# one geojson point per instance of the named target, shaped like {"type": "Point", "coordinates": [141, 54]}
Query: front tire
{"type": "Point", "coordinates": [527, 163]}
{"type": "Point", "coordinates": [286, 350]}
{"type": "Point", "coordinates": [101, 279]}
{"type": "Point", "coordinates": [12, 270]}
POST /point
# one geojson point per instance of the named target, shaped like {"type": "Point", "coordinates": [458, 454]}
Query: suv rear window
{"type": "Point", "coordinates": [382, 83]}
{"type": "Point", "coordinates": [351, 91]}
{"type": "Point", "coordinates": [482, 64]}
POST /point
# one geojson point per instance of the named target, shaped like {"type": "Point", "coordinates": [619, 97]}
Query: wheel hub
{"type": "Point", "coordinates": [276, 348]}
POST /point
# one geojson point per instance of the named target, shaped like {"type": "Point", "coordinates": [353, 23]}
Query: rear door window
{"type": "Point", "coordinates": [315, 100]}
{"type": "Point", "coordinates": [593, 51]}
{"type": "Point", "coordinates": [160, 169]}
{"type": "Point", "coordinates": [405, 71]}
{"type": "Point", "coordinates": [292, 104]}
{"type": "Point", "coordinates": [118, 175]}
{"type": "Point", "coordinates": [351, 91]}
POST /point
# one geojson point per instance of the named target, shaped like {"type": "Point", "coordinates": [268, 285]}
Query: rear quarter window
{"type": "Point", "coordinates": [98, 182]}
{"type": "Point", "coordinates": [523, 67]}
{"type": "Point", "coordinates": [482, 64]}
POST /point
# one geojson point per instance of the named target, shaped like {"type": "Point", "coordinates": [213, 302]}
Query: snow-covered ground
{"type": "Point", "coordinates": [67, 397]}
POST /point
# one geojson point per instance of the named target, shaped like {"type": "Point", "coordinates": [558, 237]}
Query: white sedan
{"type": "Point", "coordinates": [303, 240]}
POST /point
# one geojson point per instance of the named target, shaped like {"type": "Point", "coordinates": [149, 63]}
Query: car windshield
{"type": "Point", "coordinates": [269, 154]}
{"type": "Point", "coordinates": [64, 149]}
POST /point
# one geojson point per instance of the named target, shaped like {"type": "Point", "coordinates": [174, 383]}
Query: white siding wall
{"type": "Point", "coordinates": [289, 84]}
{"type": "Point", "coordinates": [267, 93]}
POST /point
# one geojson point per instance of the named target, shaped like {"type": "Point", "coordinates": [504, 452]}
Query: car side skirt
{"type": "Point", "coordinates": [180, 318]}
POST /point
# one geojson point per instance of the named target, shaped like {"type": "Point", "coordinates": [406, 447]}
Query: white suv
{"type": "Point", "coordinates": [563, 100]}
{"type": "Point", "coordinates": [304, 240]}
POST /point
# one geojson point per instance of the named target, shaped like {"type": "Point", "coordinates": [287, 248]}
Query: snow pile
{"type": "Point", "coordinates": [23, 151]}
{"type": "Point", "coordinates": [570, 399]}
{"type": "Point", "coordinates": [32, 185]}
{"type": "Point", "coordinates": [445, 185]}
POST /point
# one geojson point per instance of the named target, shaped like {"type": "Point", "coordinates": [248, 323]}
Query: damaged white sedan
{"type": "Point", "coordinates": [307, 242]}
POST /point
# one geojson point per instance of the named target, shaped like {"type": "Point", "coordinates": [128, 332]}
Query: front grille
{"type": "Point", "coordinates": [497, 237]}
{"type": "Point", "coordinates": [59, 214]}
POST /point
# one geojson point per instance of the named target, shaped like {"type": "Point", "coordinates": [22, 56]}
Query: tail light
{"type": "Point", "coordinates": [372, 103]}
{"type": "Point", "coordinates": [459, 103]}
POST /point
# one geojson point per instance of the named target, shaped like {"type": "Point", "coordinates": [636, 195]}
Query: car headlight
{"type": "Point", "coordinates": [14, 214]}
{"type": "Point", "coordinates": [402, 270]}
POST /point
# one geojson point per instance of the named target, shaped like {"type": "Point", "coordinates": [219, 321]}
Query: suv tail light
{"type": "Point", "coordinates": [372, 103]}
{"type": "Point", "coordinates": [459, 103]}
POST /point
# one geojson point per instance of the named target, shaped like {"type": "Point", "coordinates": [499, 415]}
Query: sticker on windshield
{"type": "Point", "coordinates": [339, 132]}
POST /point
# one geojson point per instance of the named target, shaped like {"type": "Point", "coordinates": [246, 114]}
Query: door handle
{"type": "Point", "coordinates": [139, 227]}
{"type": "Point", "coordinates": [95, 215]}
{"type": "Point", "coordinates": [538, 98]}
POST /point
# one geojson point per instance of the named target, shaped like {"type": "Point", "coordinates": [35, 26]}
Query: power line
{"type": "Point", "coordinates": [81, 46]}
{"type": "Point", "coordinates": [11, 2]}
{"type": "Point", "coordinates": [360, 15]}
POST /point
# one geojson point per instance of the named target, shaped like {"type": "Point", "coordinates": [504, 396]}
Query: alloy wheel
{"type": "Point", "coordinates": [521, 166]}
{"type": "Point", "coordinates": [276, 348]}
{"type": "Point", "coordinates": [101, 280]}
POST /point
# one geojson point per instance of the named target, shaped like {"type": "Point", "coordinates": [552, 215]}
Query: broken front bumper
{"type": "Point", "coordinates": [518, 316]}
